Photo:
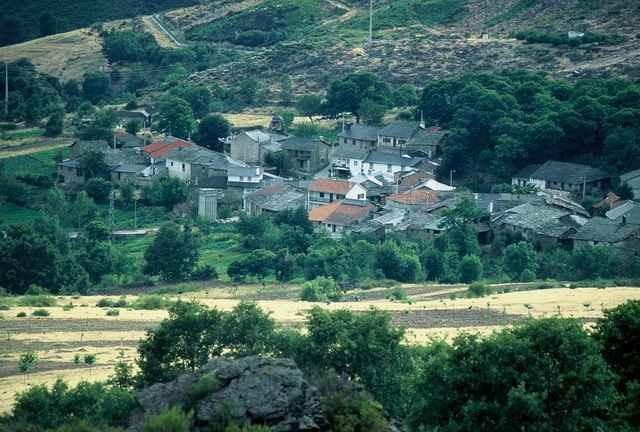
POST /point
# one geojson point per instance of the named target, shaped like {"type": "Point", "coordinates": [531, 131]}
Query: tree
{"type": "Point", "coordinates": [211, 129]}
{"type": "Point", "coordinates": [123, 374]}
{"type": "Point", "coordinates": [175, 117]}
{"type": "Point", "coordinates": [94, 165]}
{"type": "Point", "coordinates": [173, 253]}
{"type": "Point", "coordinates": [48, 24]}
{"type": "Point", "coordinates": [519, 258]}
{"type": "Point", "coordinates": [199, 98]}
{"type": "Point", "coordinates": [348, 94]}
{"type": "Point", "coordinates": [27, 362]}
{"type": "Point", "coordinates": [98, 189]}
{"type": "Point", "coordinates": [470, 269]}
{"type": "Point", "coordinates": [11, 31]}
{"type": "Point", "coordinates": [372, 112]}
{"type": "Point", "coordinates": [169, 191]}
{"type": "Point", "coordinates": [286, 91]}
{"type": "Point", "coordinates": [542, 375]}
{"type": "Point", "coordinates": [309, 105]}
{"type": "Point", "coordinates": [132, 127]}
{"type": "Point", "coordinates": [55, 124]}
{"type": "Point", "coordinates": [320, 289]}
{"type": "Point", "coordinates": [95, 86]}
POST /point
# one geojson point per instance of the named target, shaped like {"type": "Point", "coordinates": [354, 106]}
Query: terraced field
{"type": "Point", "coordinates": [430, 312]}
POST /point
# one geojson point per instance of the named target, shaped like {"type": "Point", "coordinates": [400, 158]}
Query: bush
{"type": "Point", "coordinates": [151, 302]}
{"type": "Point", "coordinates": [527, 275]}
{"type": "Point", "coordinates": [172, 420]}
{"type": "Point", "coordinates": [205, 385]}
{"type": "Point", "coordinates": [21, 314]}
{"type": "Point", "coordinates": [113, 312]}
{"type": "Point", "coordinates": [110, 303]}
{"type": "Point", "coordinates": [470, 268]}
{"type": "Point", "coordinates": [320, 289]}
{"type": "Point", "coordinates": [98, 189]}
{"type": "Point", "coordinates": [478, 290]}
{"type": "Point", "coordinates": [40, 313]}
{"type": "Point", "coordinates": [204, 273]}
{"type": "Point", "coordinates": [398, 294]}
{"type": "Point", "coordinates": [37, 301]}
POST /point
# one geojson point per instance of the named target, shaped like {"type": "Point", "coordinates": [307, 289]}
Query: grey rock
{"type": "Point", "coordinates": [252, 389]}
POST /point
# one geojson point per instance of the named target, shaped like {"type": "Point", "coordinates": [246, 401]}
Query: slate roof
{"type": "Point", "coordinates": [341, 187]}
{"type": "Point", "coordinates": [432, 136]}
{"type": "Point", "coordinates": [202, 156]}
{"type": "Point", "coordinates": [129, 168]}
{"type": "Point", "coordinates": [566, 172]}
{"type": "Point", "coordinates": [415, 197]}
{"type": "Point", "coordinates": [350, 152]}
{"type": "Point", "coordinates": [159, 149]}
{"type": "Point", "coordinates": [242, 171]}
{"type": "Point", "coordinates": [540, 218]}
{"type": "Point", "coordinates": [278, 197]}
{"type": "Point", "coordinates": [399, 129]}
{"type": "Point", "coordinates": [301, 144]}
{"type": "Point", "coordinates": [81, 147]}
{"type": "Point", "coordinates": [526, 172]}
{"type": "Point", "coordinates": [388, 158]}
{"type": "Point", "coordinates": [360, 132]}
{"type": "Point", "coordinates": [342, 213]}
{"type": "Point", "coordinates": [630, 175]}
{"type": "Point", "coordinates": [603, 230]}
{"type": "Point", "coordinates": [630, 211]}
{"type": "Point", "coordinates": [70, 163]}
{"type": "Point", "coordinates": [125, 139]}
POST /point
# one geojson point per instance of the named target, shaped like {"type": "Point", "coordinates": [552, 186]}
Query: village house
{"type": "Point", "coordinates": [378, 186]}
{"type": "Point", "coordinates": [139, 115]}
{"type": "Point", "coordinates": [306, 155]}
{"type": "Point", "coordinates": [157, 151]}
{"type": "Point", "coordinates": [627, 213]}
{"type": "Point", "coordinates": [420, 198]}
{"type": "Point", "coordinates": [603, 231]}
{"type": "Point", "coordinates": [379, 161]}
{"type": "Point", "coordinates": [127, 140]}
{"type": "Point", "coordinates": [632, 179]}
{"type": "Point", "coordinates": [324, 191]}
{"type": "Point", "coordinates": [253, 146]}
{"type": "Point", "coordinates": [358, 136]}
{"type": "Point", "coordinates": [409, 137]}
{"type": "Point", "coordinates": [546, 222]}
{"type": "Point", "coordinates": [347, 161]}
{"type": "Point", "coordinates": [337, 217]}
{"type": "Point", "coordinates": [274, 199]}
{"type": "Point", "coordinates": [564, 176]}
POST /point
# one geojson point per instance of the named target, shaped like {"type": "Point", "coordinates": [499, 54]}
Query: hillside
{"type": "Point", "coordinates": [414, 41]}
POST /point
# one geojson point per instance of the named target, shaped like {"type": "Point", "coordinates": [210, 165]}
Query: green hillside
{"type": "Point", "coordinates": [20, 20]}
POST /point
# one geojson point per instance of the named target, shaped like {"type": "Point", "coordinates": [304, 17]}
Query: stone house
{"type": "Point", "coordinates": [599, 230]}
{"type": "Point", "coordinates": [410, 137]}
{"type": "Point", "coordinates": [412, 199]}
{"type": "Point", "coordinates": [306, 155]}
{"type": "Point", "coordinates": [347, 161]}
{"type": "Point", "coordinates": [564, 176]}
{"type": "Point", "coordinates": [335, 218]}
{"type": "Point", "coordinates": [157, 151]}
{"type": "Point", "coordinates": [358, 136]}
{"type": "Point", "coordinates": [325, 191]}
{"type": "Point", "coordinates": [273, 199]}
{"type": "Point", "coordinates": [253, 146]}
{"type": "Point", "coordinates": [380, 161]}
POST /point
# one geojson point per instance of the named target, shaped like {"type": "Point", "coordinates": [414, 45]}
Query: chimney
{"type": "Point", "coordinates": [491, 207]}
{"type": "Point", "coordinates": [422, 123]}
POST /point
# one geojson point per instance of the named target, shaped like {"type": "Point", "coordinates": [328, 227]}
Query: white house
{"type": "Point", "coordinates": [324, 191]}
{"type": "Point", "coordinates": [378, 161]}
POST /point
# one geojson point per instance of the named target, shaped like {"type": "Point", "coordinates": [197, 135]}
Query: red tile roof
{"type": "Point", "coordinates": [341, 187]}
{"type": "Point", "coordinates": [420, 196]}
{"type": "Point", "coordinates": [340, 213]}
{"type": "Point", "coordinates": [161, 148]}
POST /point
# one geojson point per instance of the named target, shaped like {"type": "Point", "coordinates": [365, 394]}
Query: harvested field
{"type": "Point", "coordinates": [428, 313]}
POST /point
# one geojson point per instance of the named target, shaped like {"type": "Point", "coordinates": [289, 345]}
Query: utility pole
{"type": "Point", "coordinates": [584, 187]}
{"type": "Point", "coordinates": [6, 89]}
{"type": "Point", "coordinates": [451, 177]}
{"type": "Point", "coordinates": [370, 22]}
{"type": "Point", "coordinates": [112, 199]}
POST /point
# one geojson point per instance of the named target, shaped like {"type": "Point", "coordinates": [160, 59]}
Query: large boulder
{"type": "Point", "coordinates": [253, 389]}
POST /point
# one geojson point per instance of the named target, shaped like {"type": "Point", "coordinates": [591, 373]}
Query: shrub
{"type": "Point", "coordinates": [527, 275]}
{"type": "Point", "coordinates": [37, 301]}
{"type": "Point", "coordinates": [172, 420]}
{"type": "Point", "coordinates": [40, 313]}
{"type": "Point", "coordinates": [478, 290]}
{"type": "Point", "coordinates": [21, 314]}
{"type": "Point", "coordinates": [151, 302]}
{"type": "Point", "coordinates": [397, 293]}
{"type": "Point", "coordinates": [204, 273]}
{"type": "Point", "coordinates": [205, 385]}
{"type": "Point", "coordinates": [113, 312]}
{"type": "Point", "coordinates": [320, 289]}
{"type": "Point", "coordinates": [68, 307]}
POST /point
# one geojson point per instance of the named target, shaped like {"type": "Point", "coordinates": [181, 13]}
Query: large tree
{"type": "Point", "coordinates": [211, 129]}
{"type": "Point", "coordinates": [95, 86]}
{"type": "Point", "coordinates": [349, 94]}
{"type": "Point", "coordinates": [175, 117]}
{"type": "Point", "coordinates": [173, 254]}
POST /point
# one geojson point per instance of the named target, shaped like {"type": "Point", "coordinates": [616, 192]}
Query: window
{"type": "Point", "coordinates": [241, 178]}
{"type": "Point", "coordinates": [360, 196]}
{"type": "Point", "coordinates": [321, 194]}
{"type": "Point", "coordinates": [171, 163]}
{"type": "Point", "coordinates": [355, 163]}
{"type": "Point", "coordinates": [386, 140]}
{"type": "Point", "coordinates": [183, 167]}
{"type": "Point", "coordinates": [401, 142]}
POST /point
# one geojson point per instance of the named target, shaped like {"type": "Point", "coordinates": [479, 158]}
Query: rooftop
{"type": "Point", "coordinates": [342, 213]}
{"type": "Point", "coordinates": [603, 230]}
{"type": "Point", "coordinates": [360, 132]}
{"type": "Point", "coordinates": [278, 197]}
{"type": "Point", "coordinates": [202, 156]}
{"type": "Point", "coordinates": [387, 158]}
{"type": "Point", "coordinates": [341, 187]}
{"type": "Point", "coordinates": [566, 172]}
{"type": "Point", "coordinates": [346, 151]}
{"type": "Point", "coordinates": [432, 136]}
{"type": "Point", "coordinates": [159, 149]}
{"type": "Point", "coordinates": [415, 197]}
{"type": "Point", "coordinates": [399, 129]}
{"type": "Point", "coordinates": [301, 144]}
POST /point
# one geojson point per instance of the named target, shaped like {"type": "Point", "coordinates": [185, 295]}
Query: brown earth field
{"type": "Point", "coordinates": [430, 312]}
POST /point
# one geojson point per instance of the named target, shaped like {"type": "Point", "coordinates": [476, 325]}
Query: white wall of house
{"type": "Point", "coordinates": [357, 192]}
{"type": "Point", "coordinates": [369, 167]}
{"type": "Point", "coordinates": [181, 170]}
{"type": "Point", "coordinates": [253, 179]}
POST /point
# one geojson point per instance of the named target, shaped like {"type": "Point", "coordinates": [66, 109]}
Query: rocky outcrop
{"type": "Point", "coordinates": [253, 389]}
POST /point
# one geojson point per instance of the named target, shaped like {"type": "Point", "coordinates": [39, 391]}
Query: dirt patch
{"type": "Point", "coordinates": [453, 318]}
{"type": "Point", "coordinates": [72, 325]}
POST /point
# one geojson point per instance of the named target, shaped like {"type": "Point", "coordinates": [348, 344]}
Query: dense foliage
{"type": "Point", "coordinates": [502, 122]}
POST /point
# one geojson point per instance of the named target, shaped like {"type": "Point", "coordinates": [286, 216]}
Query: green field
{"type": "Point", "coordinates": [41, 163]}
